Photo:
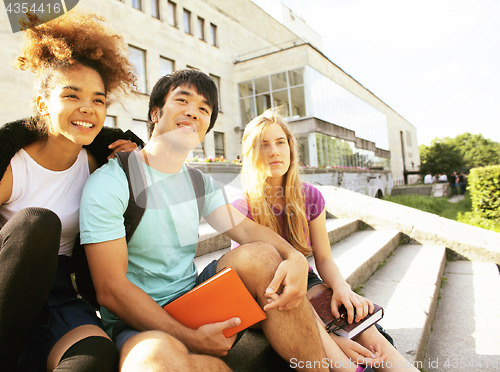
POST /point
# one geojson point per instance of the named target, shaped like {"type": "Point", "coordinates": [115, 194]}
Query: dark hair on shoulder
{"type": "Point", "coordinates": [77, 37]}
{"type": "Point", "coordinates": [204, 85]}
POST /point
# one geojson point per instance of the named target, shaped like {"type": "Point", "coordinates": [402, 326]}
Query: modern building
{"type": "Point", "coordinates": [257, 61]}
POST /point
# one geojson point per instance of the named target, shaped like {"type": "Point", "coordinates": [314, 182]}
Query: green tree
{"type": "Point", "coordinates": [440, 157]}
{"type": "Point", "coordinates": [476, 150]}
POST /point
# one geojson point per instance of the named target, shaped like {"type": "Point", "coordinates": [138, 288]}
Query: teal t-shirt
{"type": "Point", "coordinates": [162, 249]}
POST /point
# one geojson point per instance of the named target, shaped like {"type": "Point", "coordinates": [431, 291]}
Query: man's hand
{"type": "Point", "coordinates": [121, 145]}
{"type": "Point", "coordinates": [292, 275]}
{"type": "Point", "coordinates": [210, 338]}
{"type": "Point", "coordinates": [343, 295]}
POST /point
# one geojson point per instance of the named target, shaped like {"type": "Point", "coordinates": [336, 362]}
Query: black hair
{"type": "Point", "coordinates": [204, 85]}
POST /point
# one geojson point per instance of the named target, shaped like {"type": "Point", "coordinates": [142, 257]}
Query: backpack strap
{"type": "Point", "coordinates": [199, 187]}
{"type": "Point", "coordinates": [138, 193]}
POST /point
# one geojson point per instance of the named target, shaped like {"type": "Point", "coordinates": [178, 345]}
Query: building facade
{"type": "Point", "coordinates": [257, 61]}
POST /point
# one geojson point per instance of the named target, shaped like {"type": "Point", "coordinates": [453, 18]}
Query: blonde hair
{"type": "Point", "coordinates": [255, 179]}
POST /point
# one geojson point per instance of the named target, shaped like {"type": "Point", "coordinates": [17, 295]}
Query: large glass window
{"type": "Point", "coordinates": [335, 152]}
{"type": "Point", "coordinates": [262, 85]}
{"type": "Point", "coordinates": [171, 13]}
{"type": "Point", "coordinates": [285, 89]}
{"type": "Point", "coordinates": [333, 103]}
{"type": "Point", "coordinates": [246, 89]}
{"type": "Point", "coordinates": [138, 59]}
{"type": "Point", "coordinates": [247, 110]}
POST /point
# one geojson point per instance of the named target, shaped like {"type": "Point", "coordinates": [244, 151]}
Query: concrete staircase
{"type": "Point", "coordinates": [403, 278]}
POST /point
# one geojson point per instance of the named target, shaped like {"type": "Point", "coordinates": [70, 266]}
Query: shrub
{"type": "Point", "coordinates": [484, 188]}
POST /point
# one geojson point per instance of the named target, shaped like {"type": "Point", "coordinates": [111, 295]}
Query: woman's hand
{"type": "Point", "coordinates": [358, 353]}
{"type": "Point", "coordinates": [343, 295]}
{"type": "Point", "coordinates": [121, 145]}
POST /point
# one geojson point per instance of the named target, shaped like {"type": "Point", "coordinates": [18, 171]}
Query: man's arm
{"type": "Point", "coordinates": [108, 263]}
{"type": "Point", "coordinates": [292, 272]}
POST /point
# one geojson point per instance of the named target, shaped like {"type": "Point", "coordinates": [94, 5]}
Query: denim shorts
{"type": "Point", "coordinates": [313, 279]}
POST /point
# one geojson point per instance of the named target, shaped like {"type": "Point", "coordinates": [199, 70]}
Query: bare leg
{"type": "Point", "coordinates": [395, 361]}
{"type": "Point", "coordinates": [293, 334]}
{"type": "Point", "coordinates": [154, 351]}
{"type": "Point", "coordinates": [339, 362]}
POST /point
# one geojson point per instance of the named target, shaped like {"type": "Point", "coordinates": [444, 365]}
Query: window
{"type": "Point", "coordinates": [219, 144]}
{"type": "Point", "coordinates": [138, 59]}
{"type": "Point", "coordinates": [285, 90]}
{"type": "Point", "coordinates": [172, 14]}
{"type": "Point", "coordinates": [110, 121]}
{"type": "Point", "coordinates": [187, 21]}
{"type": "Point", "coordinates": [166, 66]}
{"type": "Point", "coordinates": [201, 28]}
{"type": "Point", "coordinates": [213, 34]}
{"type": "Point", "coordinates": [137, 4]}
{"type": "Point", "coordinates": [216, 80]}
{"type": "Point", "coordinates": [155, 8]}
{"type": "Point", "coordinates": [140, 128]}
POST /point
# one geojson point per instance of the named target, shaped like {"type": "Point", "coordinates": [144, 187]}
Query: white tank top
{"type": "Point", "coordinates": [59, 191]}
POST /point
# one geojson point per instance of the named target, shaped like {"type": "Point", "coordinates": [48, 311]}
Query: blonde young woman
{"type": "Point", "coordinates": [275, 197]}
{"type": "Point", "coordinates": [78, 62]}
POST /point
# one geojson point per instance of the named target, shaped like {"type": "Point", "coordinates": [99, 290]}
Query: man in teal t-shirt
{"type": "Point", "coordinates": [133, 282]}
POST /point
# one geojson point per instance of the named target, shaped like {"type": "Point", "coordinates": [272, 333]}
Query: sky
{"type": "Point", "coordinates": [435, 62]}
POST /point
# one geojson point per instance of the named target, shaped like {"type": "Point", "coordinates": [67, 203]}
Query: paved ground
{"type": "Point", "coordinates": [456, 198]}
{"type": "Point", "coordinates": [466, 327]}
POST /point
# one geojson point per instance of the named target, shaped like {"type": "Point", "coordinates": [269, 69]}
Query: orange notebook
{"type": "Point", "coordinates": [222, 297]}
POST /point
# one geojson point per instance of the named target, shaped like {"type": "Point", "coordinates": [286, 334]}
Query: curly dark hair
{"type": "Point", "coordinates": [75, 38]}
{"type": "Point", "coordinates": [78, 37]}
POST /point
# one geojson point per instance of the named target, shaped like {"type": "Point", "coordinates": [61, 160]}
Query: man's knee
{"type": "Point", "coordinates": [151, 349]}
{"type": "Point", "coordinates": [256, 264]}
{"type": "Point", "coordinates": [256, 257]}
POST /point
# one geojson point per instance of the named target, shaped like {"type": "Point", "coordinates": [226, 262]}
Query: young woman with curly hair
{"type": "Point", "coordinates": [275, 196]}
{"type": "Point", "coordinates": [78, 62]}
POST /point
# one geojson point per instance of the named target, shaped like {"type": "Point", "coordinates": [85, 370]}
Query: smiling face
{"type": "Point", "coordinates": [185, 116]}
{"type": "Point", "coordinates": [76, 108]}
{"type": "Point", "coordinates": [276, 152]}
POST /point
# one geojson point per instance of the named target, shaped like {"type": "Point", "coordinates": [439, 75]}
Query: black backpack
{"type": "Point", "coordinates": [131, 164]}
{"type": "Point", "coordinates": [137, 205]}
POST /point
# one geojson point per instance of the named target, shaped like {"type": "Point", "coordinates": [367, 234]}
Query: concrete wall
{"type": "Point", "coordinates": [361, 181]}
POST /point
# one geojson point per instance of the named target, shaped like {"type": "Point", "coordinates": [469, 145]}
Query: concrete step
{"type": "Point", "coordinates": [407, 287]}
{"type": "Point", "coordinates": [467, 325]}
{"type": "Point", "coordinates": [212, 245]}
{"type": "Point", "coordinates": [361, 253]}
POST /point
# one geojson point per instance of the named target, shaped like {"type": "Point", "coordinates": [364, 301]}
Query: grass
{"type": "Point", "coordinates": [460, 211]}
{"type": "Point", "coordinates": [440, 206]}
